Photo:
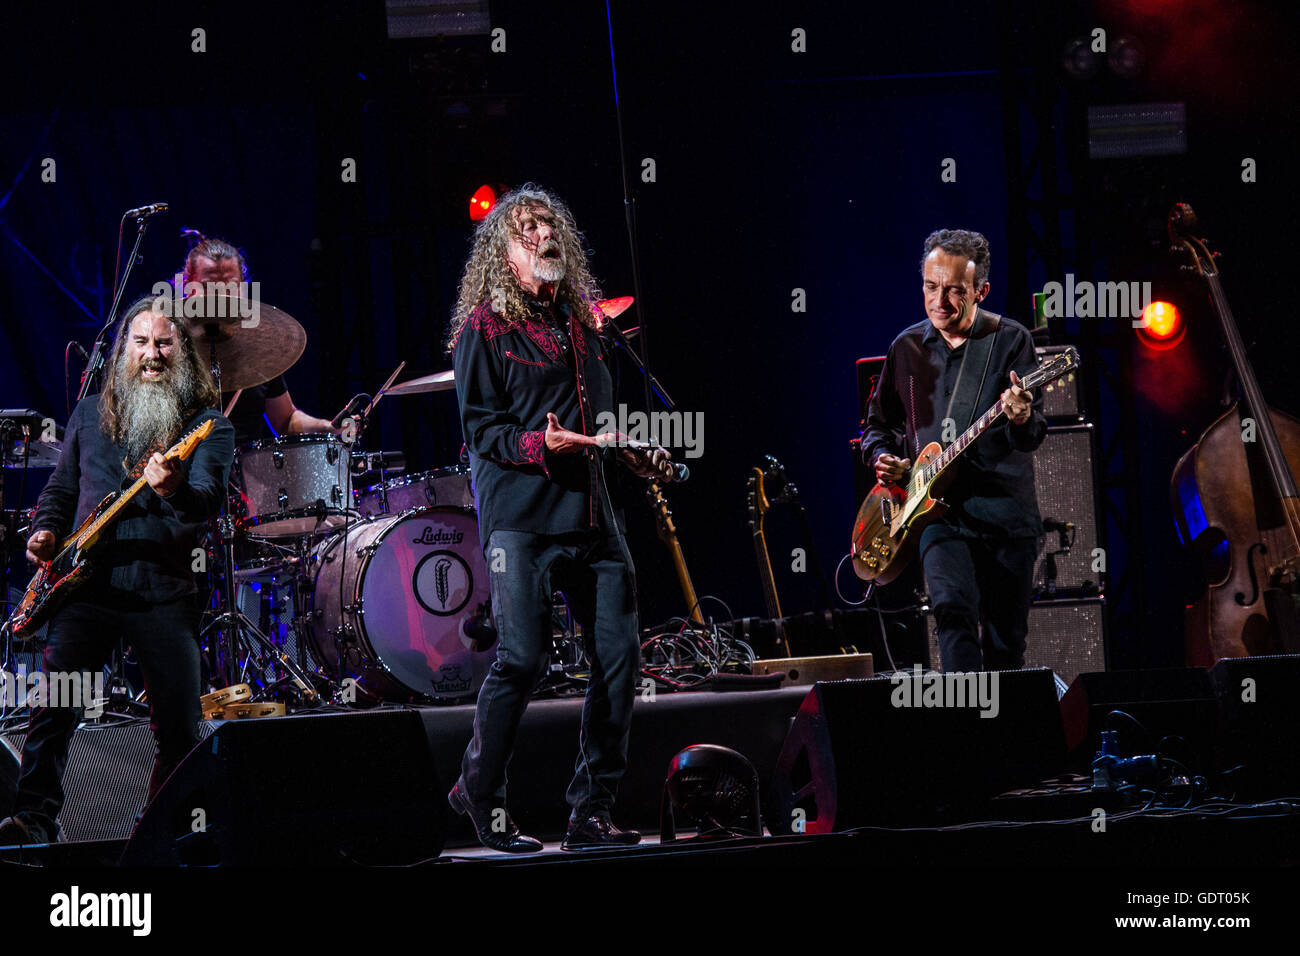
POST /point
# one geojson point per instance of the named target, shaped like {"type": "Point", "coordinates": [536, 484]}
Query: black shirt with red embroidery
{"type": "Point", "coordinates": [508, 376]}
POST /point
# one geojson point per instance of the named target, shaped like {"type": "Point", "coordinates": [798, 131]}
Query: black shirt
{"type": "Point", "coordinates": [993, 493]}
{"type": "Point", "coordinates": [507, 378]}
{"type": "Point", "coordinates": [249, 414]}
{"type": "Point", "coordinates": [147, 552]}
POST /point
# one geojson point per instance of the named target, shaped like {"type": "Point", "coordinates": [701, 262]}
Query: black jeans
{"type": "Point", "coordinates": [81, 638]}
{"type": "Point", "coordinates": [600, 585]}
{"type": "Point", "coordinates": [980, 590]}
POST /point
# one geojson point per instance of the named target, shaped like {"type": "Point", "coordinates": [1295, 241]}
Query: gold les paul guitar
{"type": "Point", "coordinates": [892, 517]}
{"type": "Point", "coordinates": [70, 567]}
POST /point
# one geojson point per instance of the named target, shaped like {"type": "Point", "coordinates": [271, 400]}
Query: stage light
{"type": "Point", "coordinates": [1164, 326]}
{"type": "Point", "coordinates": [716, 791]}
{"type": "Point", "coordinates": [481, 203]}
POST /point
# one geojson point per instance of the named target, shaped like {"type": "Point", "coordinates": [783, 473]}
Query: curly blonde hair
{"type": "Point", "coordinates": [489, 278]}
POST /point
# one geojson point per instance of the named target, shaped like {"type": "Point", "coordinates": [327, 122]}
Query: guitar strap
{"type": "Point", "coordinates": [979, 349]}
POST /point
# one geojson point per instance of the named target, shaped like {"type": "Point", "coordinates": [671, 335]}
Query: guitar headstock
{"type": "Point", "coordinates": [1181, 224]}
{"type": "Point", "coordinates": [1059, 365]}
{"type": "Point", "coordinates": [185, 447]}
{"type": "Point", "coordinates": [663, 517]}
{"type": "Point", "coordinates": [757, 502]}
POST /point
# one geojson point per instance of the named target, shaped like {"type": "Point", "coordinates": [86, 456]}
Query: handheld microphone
{"type": "Point", "coordinates": [680, 471]}
{"type": "Point", "coordinates": [143, 212]}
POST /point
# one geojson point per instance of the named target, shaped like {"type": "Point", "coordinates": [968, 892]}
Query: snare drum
{"type": "Point", "coordinates": [409, 592]}
{"type": "Point", "coordinates": [442, 488]}
{"type": "Point", "coordinates": [295, 485]}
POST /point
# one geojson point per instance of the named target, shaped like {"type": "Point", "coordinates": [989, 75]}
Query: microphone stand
{"type": "Point", "coordinates": [652, 383]}
{"type": "Point", "coordinates": [95, 364]}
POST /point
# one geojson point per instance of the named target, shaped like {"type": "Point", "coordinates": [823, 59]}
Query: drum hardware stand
{"type": "Point", "coordinates": [232, 623]}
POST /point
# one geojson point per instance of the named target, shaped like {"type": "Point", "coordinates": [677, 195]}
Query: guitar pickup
{"type": "Point", "coordinates": [886, 511]}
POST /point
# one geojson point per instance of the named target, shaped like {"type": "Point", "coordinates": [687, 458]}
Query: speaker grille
{"type": "Point", "coordinates": [1067, 636]}
{"type": "Point", "coordinates": [107, 777]}
{"type": "Point", "coordinates": [1066, 488]}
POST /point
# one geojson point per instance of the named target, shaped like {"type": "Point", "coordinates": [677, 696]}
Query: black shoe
{"type": "Point", "coordinates": [597, 830]}
{"type": "Point", "coordinates": [509, 840]}
{"type": "Point", "coordinates": [28, 829]}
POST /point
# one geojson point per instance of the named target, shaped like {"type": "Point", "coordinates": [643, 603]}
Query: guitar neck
{"type": "Point", "coordinates": [963, 441]}
{"type": "Point", "coordinates": [110, 515]}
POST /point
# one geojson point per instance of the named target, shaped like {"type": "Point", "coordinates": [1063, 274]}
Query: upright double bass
{"type": "Point", "coordinates": [1235, 502]}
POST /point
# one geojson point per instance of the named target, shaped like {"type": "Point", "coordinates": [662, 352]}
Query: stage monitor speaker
{"type": "Point", "coordinates": [1259, 724]}
{"type": "Point", "coordinates": [1175, 702]}
{"type": "Point", "coordinates": [875, 753]}
{"type": "Point", "coordinates": [1066, 483]}
{"type": "Point", "coordinates": [314, 790]}
{"type": "Point", "coordinates": [1067, 636]}
{"type": "Point", "coordinates": [105, 781]}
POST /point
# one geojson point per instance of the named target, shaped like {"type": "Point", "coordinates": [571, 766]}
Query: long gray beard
{"type": "Point", "coordinates": [548, 270]}
{"type": "Point", "coordinates": [151, 411]}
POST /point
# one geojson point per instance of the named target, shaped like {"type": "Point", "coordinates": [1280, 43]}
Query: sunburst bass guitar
{"type": "Point", "coordinates": [892, 517]}
{"type": "Point", "coordinates": [70, 567]}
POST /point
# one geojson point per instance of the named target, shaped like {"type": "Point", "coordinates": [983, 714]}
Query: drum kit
{"type": "Point", "coordinates": [363, 591]}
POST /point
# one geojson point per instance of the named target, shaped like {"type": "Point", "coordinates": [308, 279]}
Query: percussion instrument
{"type": "Point", "coordinates": [440, 487]}
{"type": "Point", "coordinates": [294, 485]}
{"type": "Point", "coordinates": [404, 601]}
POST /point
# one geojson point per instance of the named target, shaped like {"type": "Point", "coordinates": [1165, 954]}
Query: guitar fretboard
{"type": "Point", "coordinates": [963, 441]}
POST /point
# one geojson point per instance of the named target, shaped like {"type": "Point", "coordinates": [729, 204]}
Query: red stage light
{"type": "Point", "coordinates": [1164, 325]}
{"type": "Point", "coordinates": [481, 203]}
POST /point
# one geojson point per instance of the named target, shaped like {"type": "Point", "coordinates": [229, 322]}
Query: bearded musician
{"type": "Point", "coordinates": [141, 588]}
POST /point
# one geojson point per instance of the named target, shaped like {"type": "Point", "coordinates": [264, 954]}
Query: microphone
{"type": "Point", "coordinates": [143, 212]}
{"type": "Point", "coordinates": [680, 471]}
{"type": "Point", "coordinates": [355, 403]}
{"type": "Point", "coordinates": [76, 347]}
{"type": "Point", "coordinates": [1063, 528]}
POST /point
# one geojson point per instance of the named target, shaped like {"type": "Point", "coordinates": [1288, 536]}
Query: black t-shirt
{"type": "Point", "coordinates": [249, 413]}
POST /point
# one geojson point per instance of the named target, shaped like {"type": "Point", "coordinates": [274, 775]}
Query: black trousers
{"type": "Point", "coordinates": [980, 590]}
{"type": "Point", "coordinates": [81, 638]}
{"type": "Point", "coordinates": [599, 582]}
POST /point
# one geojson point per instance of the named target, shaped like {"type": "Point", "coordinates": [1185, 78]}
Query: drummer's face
{"type": "Point", "coordinates": [150, 346]}
{"type": "Point", "coordinates": [211, 270]}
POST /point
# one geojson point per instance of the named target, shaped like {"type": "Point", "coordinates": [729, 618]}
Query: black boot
{"type": "Point", "coordinates": [507, 840]}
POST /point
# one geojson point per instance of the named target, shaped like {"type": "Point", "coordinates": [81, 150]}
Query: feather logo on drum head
{"type": "Point", "coordinates": [443, 583]}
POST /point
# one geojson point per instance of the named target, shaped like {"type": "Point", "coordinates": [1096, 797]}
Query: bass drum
{"type": "Point", "coordinates": [410, 595]}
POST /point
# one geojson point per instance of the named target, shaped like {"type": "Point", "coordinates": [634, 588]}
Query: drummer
{"type": "Point", "coordinates": [260, 408]}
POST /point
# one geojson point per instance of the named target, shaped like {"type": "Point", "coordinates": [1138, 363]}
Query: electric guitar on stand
{"type": "Point", "coordinates": [758, 507]}
{"type": "Point", "coordinates": [70, 567]}
{"type": "Point", "coordinates": [668, 535]}
{"type": "Point", "coordinates": [892, 517]}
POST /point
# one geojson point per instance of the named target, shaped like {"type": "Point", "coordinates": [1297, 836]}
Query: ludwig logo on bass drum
{"type": "Point", "coordinates": [441, 536]}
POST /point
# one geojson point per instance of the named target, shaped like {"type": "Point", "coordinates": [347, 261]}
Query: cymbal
{"type": "Point", "coordinates": [437, 382]}
{"type": "Point", "coordinates": [254, 341]}
{"type": "Point", "coordinates": [613, 308]}
{"type": "Point", "coordinates": [36, 454]}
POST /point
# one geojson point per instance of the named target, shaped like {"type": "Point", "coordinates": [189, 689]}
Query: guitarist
{"type": "Point", "coordinates": [979, 559]}
{"type": "Point", "coordinates": [142, 587]}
